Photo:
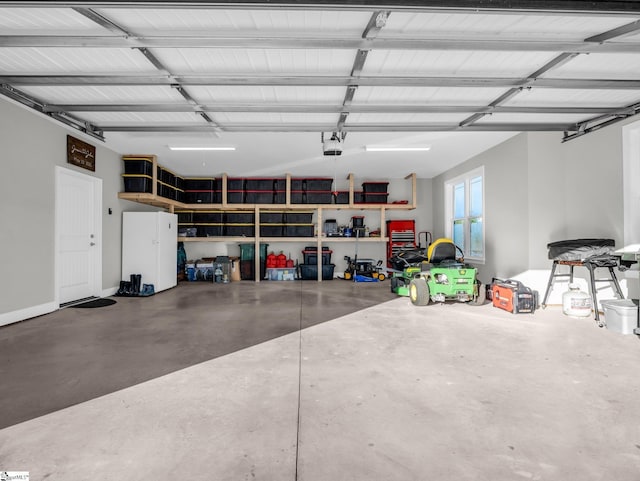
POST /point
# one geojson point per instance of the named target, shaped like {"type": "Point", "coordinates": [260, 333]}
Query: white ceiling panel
{"type": "Point", "coordinates": [29, 21]}
{"type": "Point", "coordinates": [595, 65]}
{"type": "Point", "coordinates": [149, 118]}
{"type": "Point", "coordinates": [273, 118]}
{"type": "Point", "coordinates": [360, 119]}
{"type": "Point", "coordinates": [432, 95]}
{"type": "Point", "coordinates": [454, 63]}
{"type": "Point", "coordinates": [518, 26]}
{"type": "Point", "coordinates": [186, 61]}
{"type": "Point", "coordinates": [574, 98]}
{"type": "Point", "coordinates": [268, 67]}
{"type": "Point", "coordinates": [283, 94]}
{"type": "Point", "coordinates": [105, 94]}
{"type": "Point", "coordinates": [31, 60]}
{"type": "Point", "coordinates": [530, 118]}
{"type": "Point", "coordinates": [220, 22]}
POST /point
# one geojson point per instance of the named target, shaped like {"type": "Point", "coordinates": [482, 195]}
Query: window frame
{"type": "Point", "coordinates": [449, 192]}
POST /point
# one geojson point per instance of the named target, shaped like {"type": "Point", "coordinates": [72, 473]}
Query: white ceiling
{"type": "Point", "coordinates": [269, 78]}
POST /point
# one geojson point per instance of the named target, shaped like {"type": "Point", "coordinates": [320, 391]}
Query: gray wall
{"type": "Point", "coordinates": [32, 146]}
{"type": "Point", "coordinates": [506, 200]}
{"type": "Point", "coordinates": [539, 190]}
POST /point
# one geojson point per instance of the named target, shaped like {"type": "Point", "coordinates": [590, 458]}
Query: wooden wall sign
{"type": "Point", "coordinates": [81, 154]}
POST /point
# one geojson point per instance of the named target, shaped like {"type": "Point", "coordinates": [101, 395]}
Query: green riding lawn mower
{"type": "Point", "coordinates": [436, 274]}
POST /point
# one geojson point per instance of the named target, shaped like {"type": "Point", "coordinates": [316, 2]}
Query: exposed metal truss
{"type": "Point", "coordinates": [622, 40]}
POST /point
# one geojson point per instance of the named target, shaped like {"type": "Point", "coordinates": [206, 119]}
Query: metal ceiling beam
{"type": "Point", "coordinates": [376, 23]}
{"type": "Point", "coordinates": [101, 20]}
{"type": "Point", "coordinates": [301, 127]}
{"type": "Point", "coordinates": [320, 80]}
{"type": "Point", "coordinates": [324, 43]}
{"type": "Point", "coordinates": [622, 31]}
{"type": "Point", "coordinates": [68, 119]}
{"type": "Point", "coordinates": [596, 123]}
{"type": "Point", "coordinates": [553, 63]}
{"type": "Point", "coordinates": [325, 109]}
{"type": "Point", "coordinates": [524, 6]}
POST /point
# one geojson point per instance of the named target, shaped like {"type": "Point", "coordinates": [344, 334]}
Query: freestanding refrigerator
{"type": "Point", "coordinates": [149, 247]}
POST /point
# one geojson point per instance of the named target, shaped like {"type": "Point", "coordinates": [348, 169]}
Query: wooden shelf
{"type": "Point", "coordinates": [173, 206]}
{"type": "Point", "coordinates": [324, 240]}
{"type": "Point", "coordinates": [150, 199]}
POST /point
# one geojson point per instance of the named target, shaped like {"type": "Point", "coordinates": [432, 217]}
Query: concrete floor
{"type": "Point", "coordinates": [383, 391]}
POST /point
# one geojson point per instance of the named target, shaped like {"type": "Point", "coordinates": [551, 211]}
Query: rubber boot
{"type": "Point", "coordinates": [134, 290]}
{"type": "Point", "coordinates": [138, 284]}
{"type": "Point", "coordinates": [122, 288]}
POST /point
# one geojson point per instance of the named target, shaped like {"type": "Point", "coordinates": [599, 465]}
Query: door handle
{"type": "Point", "coordinates": [92, 243]}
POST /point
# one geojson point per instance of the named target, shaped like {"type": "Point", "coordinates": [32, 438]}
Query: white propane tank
{"type": "Point", "coordinates": [576, 303]}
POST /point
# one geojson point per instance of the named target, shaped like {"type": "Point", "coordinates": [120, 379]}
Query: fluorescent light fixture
{"type": "Point", "coordinates": [201, 148]}
{"type": "Point", "coordinates": [383, 148]}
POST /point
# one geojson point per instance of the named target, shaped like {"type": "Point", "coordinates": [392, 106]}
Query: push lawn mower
{"type": "Point", "coordinates": [442, 276]}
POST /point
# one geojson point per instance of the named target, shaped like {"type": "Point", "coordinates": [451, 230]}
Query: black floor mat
{"type": "Point", "coordinates": [96, 303]}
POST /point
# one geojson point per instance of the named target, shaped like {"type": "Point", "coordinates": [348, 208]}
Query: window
{"type": "Point", "coordinates": [465, 208]}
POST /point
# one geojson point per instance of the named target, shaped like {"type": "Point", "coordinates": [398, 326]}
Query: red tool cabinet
{"type": "Point", "coordinates": [402, 234]}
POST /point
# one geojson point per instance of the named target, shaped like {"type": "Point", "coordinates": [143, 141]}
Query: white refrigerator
{"type": "Point", "coordinates": [150, 248]}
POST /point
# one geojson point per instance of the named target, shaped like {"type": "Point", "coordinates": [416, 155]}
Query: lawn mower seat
{"type": "Point", "coordinates": [441, 250]}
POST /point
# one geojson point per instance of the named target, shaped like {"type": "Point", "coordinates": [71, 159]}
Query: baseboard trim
{"type": "Point", "coordinates": [28, 313]}
{"type": "Point", "coordinates": [109, 292]}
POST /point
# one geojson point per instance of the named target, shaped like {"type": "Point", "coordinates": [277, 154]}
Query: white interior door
{"type": "Point", "coordinates": [79, 262]}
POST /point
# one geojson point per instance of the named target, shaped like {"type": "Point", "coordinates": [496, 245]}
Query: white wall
{"type": "Point", "coordinates": [32, 145]}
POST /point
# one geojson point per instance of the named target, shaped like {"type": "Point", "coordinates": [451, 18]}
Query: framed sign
{"type": "Point", "coordinates": [81, 154]}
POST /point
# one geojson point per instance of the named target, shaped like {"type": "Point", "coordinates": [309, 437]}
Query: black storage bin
{"type": "Point", "coordinates": [280, 197]}
{"type": "Point", "coordinates": [342, 197]}
{"type": "Point", "coordinates": [358, 197]}
{"type": "Point", "coordinates": [298, 230]}
{"type": "Point", "coordinates": [258, 197]}
{"type": "Point", "coordinates": [239, 230]}
{"type": "Point", "coordinates": [309, 272]}
{"type": "Point", "coordinates": [137, 183]}
{"type": "Point", "coordinates": [297, 197]}
{"type": "Point", "coordinates": [179, 182]}
{"type": "Point", "coordinates": [240, 217]}
{"type": "Point", "coordinates": [295, 217]}
{"type": "Point", "coordinates": [166, 176]}
{"type": "Point", "coordinates": [318, 197]}
{"type": "Point", "coordinates": [261, 184]}
{"type": "Point", "coordinates": [280, 184]}
{"type": "Point", "coordinates": [166, 191]}
{"type": "Point", "coordinates": [375, 187]}
{"type": "Point", "coordinates": [180, 197]}
{"type": "Point", "coordinates": [317, 184]}
{"type": "Point", "coordinates": [185, 217]}
{"type": "Point", "coordinates": [235, 197]}
{"type": "Point", "coordinates": [310, 254]}
{"type": "Point", "coordinates": [200, 197]}
{"type": "Point", "coordinates": [297, 184]}
{"type": "Point", "coordinates": [200, 183]}
{"type": "Point", "coordinates": [272, 217]}
{"type": "Point", "coordinates": [235, 184]}
{"type": "Point", "coordinates": [210, 230]}
{"type": "Point", "coordinates": [137, 165]}
{"type": "Point", "coordinates": [208, 216]}
{"type": "Point", "coordinates": [377, 198]}
{"type": "Point", "coordinates": [357, 221]}
{"type": "Point", "coordinates": [187, 230]}
{"type": "Point", "coordinates": [272, 230]}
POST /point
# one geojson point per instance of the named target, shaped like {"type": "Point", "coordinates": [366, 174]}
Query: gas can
{"type": "Point", "coordinates": [576, 303]}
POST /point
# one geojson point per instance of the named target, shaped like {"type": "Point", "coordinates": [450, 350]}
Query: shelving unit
{"type": "Point", "coordinates": [173, 205]}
